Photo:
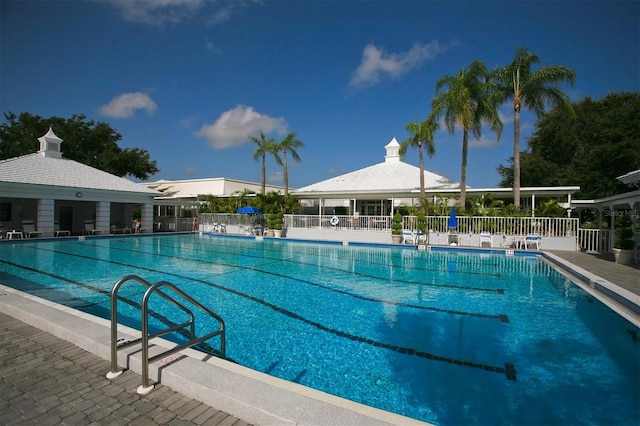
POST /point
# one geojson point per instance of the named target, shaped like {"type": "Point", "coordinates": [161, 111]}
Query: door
{"type": "Point", "coordinates": [66, 218]}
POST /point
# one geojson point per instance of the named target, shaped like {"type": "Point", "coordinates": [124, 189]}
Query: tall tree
{"type": "Point", "coordinates": [85, 141]}
{"type": "Point", "coordinates": [263, 147]}
{"type": "Point", "coordinates": [533, 89]}
{"type": "Point", "coordinates": [421, 136]}
{"type": "Point", "coordinates": [466, 100]}
{"type": "Point", "coordinates": [589, 150]}
{"type": "Point", "coordinates": [289, 144]}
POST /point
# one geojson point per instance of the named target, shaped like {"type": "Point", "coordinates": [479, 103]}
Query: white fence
{"type": "Point", "coordinates": [546, 226]}
{"type": "Point", "coordinates": [590, 240]}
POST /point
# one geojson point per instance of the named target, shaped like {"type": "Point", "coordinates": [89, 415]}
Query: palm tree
{"type": "Point", "coordinates": [421, 135]}
{"type": "Point", "coordinates": [264, 146]}
{"type": "Point", "coordinates": [289, 143]}
{"type": "Point", "coordinates": [467, 102]}
{"type": "Point", "coordinates": [533, 89]}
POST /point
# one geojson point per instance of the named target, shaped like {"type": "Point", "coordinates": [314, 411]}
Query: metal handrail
{"type": "Point", "coordinates": [145, 336]}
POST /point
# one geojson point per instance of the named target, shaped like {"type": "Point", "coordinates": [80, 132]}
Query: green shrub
{"type": "Point", "coordinates": [396, 225]}
{"type": "Point", "coordinates": [624, 233]}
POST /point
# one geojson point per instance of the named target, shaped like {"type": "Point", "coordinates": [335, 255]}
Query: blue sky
{"type": "Point", "coordinates": [190, 80]}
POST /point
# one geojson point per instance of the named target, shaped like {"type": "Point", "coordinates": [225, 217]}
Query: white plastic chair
{"type": "Point", "coordinates": [408, 237]}
{"type": "Point", "coordinates": [533, 240]}
{"type": "Point", "coordinates": [29, 229]}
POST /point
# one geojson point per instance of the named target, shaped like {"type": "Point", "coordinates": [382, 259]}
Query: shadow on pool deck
{"type": "Point", "coordinates": [624, 276]}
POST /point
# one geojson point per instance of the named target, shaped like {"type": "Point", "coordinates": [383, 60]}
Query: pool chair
{"type": "Point", "coordinates": [464, 240]}
{"type": "Point", "coordinates": [29, 229]}
{"type": "Point", "coordinates": [409, 237]}
{"type": "Point", "coordinates": [442, 239]}
{"type": "Point", "coordinates": [507, 241]}
{"type": "Point", "coordinates": [89, 228]}
{"type": "Point", "coordinates": [532, 240]}
{"type": "Point", "coordinates": [58, 232]}
{"type": "Point", "coordinates": [486, 240]}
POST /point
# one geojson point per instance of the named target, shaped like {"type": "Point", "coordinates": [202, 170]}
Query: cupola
{"type": "Point", "coordinates": [393, 151]}
{"type": "Point", "coordinates": [50, 145]}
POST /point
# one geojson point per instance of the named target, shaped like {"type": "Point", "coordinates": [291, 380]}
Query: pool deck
{"type": "Point", "coordinates": [54, 360]}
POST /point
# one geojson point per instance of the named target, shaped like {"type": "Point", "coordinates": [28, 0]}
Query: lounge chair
{"type": "Point", "coordinates": [464, 240]}
{"type": "Point", "coordinates": [507, 241]}
{"type": "Point", "coordinates": [486, 239]}
{"type": "Point", "coordinates": [29, 229]}
{"type": "Point", "coordinates": [89, 228]}
{"type": "Point", "coordinates": [532, 240]}
{"type": "Point", "coordinates": [409, 237]}
{"type": "Point", "coordinates": [58, 232]}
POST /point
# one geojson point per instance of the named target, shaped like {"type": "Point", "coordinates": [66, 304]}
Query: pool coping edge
{"type": "Point", "coordinates": [248, 394]}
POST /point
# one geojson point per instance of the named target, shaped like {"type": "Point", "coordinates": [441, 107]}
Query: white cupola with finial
{"type": "Point", "coordinates": [50, 145]}
{"type": "Point", "coordinates": [393, 151]}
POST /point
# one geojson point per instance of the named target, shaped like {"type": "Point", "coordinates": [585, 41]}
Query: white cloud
{"type": "Point", "coordinates": [484, 141]}
{"type": "Point", "coordinates": [169, 12]}
{"type": "Point", "coordinates": [158, 12]}
{"type": "Point", "coordinates": [125, 105]}
{"type": "Point", "coordinates": [377, 63]}
{"type": "Point", "coordinates": [275, 177]}
{"type": "Point", "coordinates": [234, 127]}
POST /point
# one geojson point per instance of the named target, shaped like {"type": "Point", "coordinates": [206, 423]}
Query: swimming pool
{"type": "Point", "coordinates": [447, 337]}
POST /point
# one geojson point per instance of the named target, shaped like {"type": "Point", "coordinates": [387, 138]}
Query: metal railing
{"type": "Point", "coordinates": [145, 388]}
{"type": "Point", "coordinates": [231, 219]}
{"type": "Point", "coordinates": [172, 224]}
{"type": "Point", "coordinates": [547, 226]}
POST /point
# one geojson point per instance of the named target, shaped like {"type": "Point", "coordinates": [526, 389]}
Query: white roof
{"type": "Point", "coordinates": [192, 188]}
{"type": "Point", "coordinates": [36, 169]}
{"type": "Point", "coordinates": [630, 178]}
{"type": "Point", "coordinates": [391, 176]}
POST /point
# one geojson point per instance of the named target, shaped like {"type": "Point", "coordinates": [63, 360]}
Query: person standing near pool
{"type": "Point", "coordinates": [194, 222]}
{"type": "Point", "coordinates": [137, 224]}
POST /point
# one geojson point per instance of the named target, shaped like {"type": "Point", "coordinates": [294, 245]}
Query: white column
{"type": "Point", "coordinates": [46, 211]}
{"type": "Point", "coordinates": [533, 205]}
{"type": "Point", "coordinates": [147, 217]}
{"type": "Point", "coordinates": [103, 216]}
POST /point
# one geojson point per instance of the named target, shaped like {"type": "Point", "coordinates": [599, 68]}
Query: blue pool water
{"type": "Point", "coordinates": [446, 337]}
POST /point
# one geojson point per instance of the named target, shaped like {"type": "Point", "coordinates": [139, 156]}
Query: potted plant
{"type": "Point", "coordinates": [396, 229]}
{"type": "Point", "coordinates": [277, 223]}
{"type": "Point", "coordinates": [623, 245]}
{"type": "Point", "coordinates": [271, 224]}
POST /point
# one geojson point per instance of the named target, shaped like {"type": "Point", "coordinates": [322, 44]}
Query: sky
{"type": "Point", "coordinates": [191, 80]}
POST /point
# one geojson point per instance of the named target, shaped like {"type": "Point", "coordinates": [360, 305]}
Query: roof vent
{"type": "Point", "coordinates": [50, 145]}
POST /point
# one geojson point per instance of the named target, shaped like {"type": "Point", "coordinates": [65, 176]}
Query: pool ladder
{"type": "Point", "coordinates": [144, 340]}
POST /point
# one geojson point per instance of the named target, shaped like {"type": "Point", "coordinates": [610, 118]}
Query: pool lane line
{"type": "Point", "coordinates": [509, 372]}
{"type": "Point", "coordinates": [501, 317]}
{"type": "Point", "coordinates": [435, 285]}
{"type": "Point", "coordinates": [206, 347]}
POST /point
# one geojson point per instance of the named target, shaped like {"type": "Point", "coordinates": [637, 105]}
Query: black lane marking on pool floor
{"type": "Point", "coordinates": [459, 287]}
{"type": "Point", "coordinates": [204, 345]}
{"type": "Point", "coordinates": [502, 317]}
{"type": "Point", "coordinates": [293, 315]}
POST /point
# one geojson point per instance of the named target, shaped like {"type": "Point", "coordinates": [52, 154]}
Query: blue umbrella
{"type": "Point", "coordinates": [453, 221]}
{"type": "Point", "coordinates": [248, 210]}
